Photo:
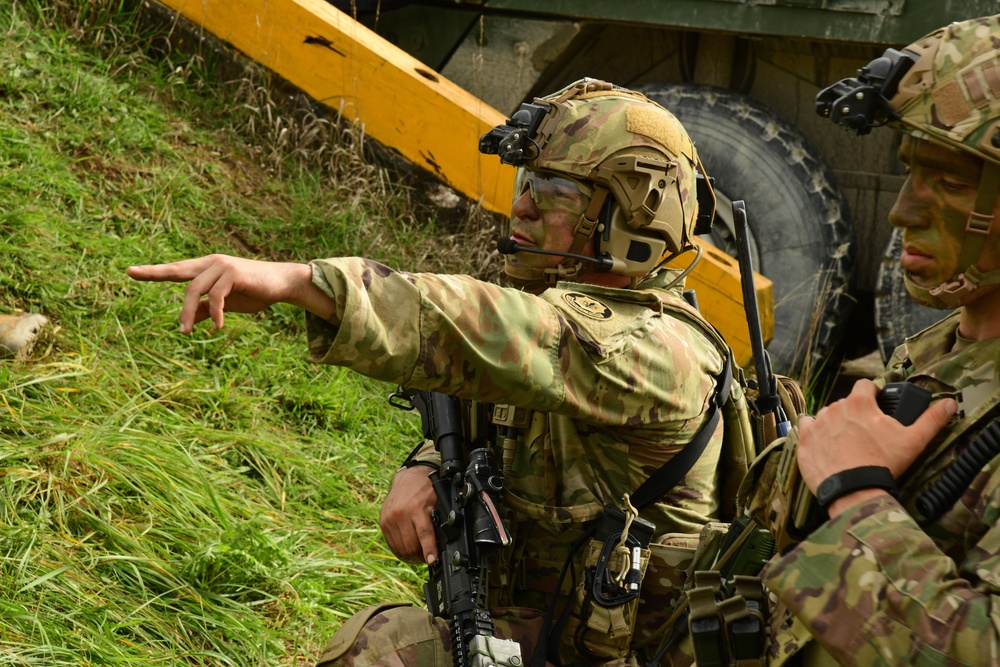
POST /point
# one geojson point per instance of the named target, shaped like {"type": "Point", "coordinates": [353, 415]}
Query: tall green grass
{"type": "Point", "coordinates": [201, 500]}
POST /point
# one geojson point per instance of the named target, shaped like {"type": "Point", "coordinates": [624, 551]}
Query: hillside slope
{"type": "Point", "coordinates": [201, 500]}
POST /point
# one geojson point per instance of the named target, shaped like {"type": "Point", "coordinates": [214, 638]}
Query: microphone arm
{"type": "Point", "coordinates": [508, 246]}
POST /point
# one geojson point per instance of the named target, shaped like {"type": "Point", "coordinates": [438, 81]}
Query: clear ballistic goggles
{"type": "Point", "coordinates": [550, 191]}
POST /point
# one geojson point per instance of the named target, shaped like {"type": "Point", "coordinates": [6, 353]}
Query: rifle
{"type": "Point", "coordinates": [467, 526]}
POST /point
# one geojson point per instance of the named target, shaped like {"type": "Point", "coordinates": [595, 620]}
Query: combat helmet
{"type": "Point", "coordinates": [639, 165]}
{"type": "Point", "coordinates": [944, 88]}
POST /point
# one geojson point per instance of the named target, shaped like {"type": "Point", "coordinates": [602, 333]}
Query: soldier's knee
{"type": "Point", "coordinates": [389, 636]}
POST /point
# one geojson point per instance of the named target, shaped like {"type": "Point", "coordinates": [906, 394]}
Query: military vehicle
{"type": "Point", "coordinates": [742, 75]}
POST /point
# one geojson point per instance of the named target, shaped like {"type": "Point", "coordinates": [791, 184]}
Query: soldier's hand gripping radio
{"type": "Point", "coordinates": [903, 401]}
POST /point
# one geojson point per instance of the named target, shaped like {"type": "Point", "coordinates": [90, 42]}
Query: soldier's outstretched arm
{"type": "Point", "coordinates": [232, 284]}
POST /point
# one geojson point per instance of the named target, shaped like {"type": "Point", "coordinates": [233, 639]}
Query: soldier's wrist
{"type": "Point", "coordinates": [422, 455]}
{"type": "Point", "coordinates": [412, 463]}
{"type": "Point", "coordinates": [846, 502]}
{"type": "Point", "coordinates": [853, 480]}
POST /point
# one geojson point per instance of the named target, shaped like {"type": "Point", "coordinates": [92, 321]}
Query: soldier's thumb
{"type": "Point", "coordinates": [934, 419]}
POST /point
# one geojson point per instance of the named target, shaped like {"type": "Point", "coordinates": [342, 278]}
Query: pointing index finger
{"type": "Point", "coordinates": [176, 272]}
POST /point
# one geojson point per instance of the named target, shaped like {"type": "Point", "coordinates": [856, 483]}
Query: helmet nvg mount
{"type": "Point", "coordinates": [648, 183]}
{"type": "Point", "coordinates": [944, 88]}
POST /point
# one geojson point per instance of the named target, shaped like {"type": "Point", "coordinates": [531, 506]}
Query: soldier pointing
{"type": "Point", "coordinates": [608, 371]}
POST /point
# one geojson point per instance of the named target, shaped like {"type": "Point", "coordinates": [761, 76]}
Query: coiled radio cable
{"type": "Point", "coordinates": [947, 489]}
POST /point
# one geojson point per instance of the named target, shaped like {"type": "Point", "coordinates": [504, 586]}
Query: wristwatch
{"type": "Point", "coordinates": [846, 481]}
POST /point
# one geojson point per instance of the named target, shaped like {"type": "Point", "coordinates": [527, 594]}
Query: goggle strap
{"type": "Point", "coordinates": [981, 220]}
{"type": "Point", "coordinates": [589, 220]}
{"type": "Point", "coordinates": [986, 198]}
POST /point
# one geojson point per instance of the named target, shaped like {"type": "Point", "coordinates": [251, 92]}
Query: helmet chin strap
{"type": "Point", "coordinates": [952, 293]}
{"type": "Point", "coordinates": [536, 279]}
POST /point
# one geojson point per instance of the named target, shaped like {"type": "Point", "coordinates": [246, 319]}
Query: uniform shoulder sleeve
{"type": "Point", "coordinates": [874, 589]}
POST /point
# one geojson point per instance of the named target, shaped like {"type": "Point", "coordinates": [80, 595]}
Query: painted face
{"type": "Point", "coordinates": [544, 214]}
{"type": "Point", "coordinates": [933, 208]}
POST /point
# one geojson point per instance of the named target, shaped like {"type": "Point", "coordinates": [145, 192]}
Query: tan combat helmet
{"type": "Point", "coordinates": [945, 88]}
{"type": "Point", "coordinates": [637, 162]}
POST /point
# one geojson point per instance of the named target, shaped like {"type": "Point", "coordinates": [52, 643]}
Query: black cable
{"type": "Point", "coordinates": [677, 633]}
{"type": "Point", "coordinates": [549, 635]}
{"type": "Point", "coordinates": [957, 477]}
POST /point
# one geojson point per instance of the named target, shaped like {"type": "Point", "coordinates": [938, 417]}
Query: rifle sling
{"type": "Point", "coordinates": [674, 470]}
{"type": "Point", "coordinates": [654, 488]}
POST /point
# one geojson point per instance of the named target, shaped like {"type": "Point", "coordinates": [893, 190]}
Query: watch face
{"type": "Point", "coordinates": [828, 486]}
{"type": "Point", "coordinates": [827, 490]}
{"type": "Point", "coordinates": [852, 479]}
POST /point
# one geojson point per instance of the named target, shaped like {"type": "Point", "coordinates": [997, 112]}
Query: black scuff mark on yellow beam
{"type": "Point", "coordinates": [323, 41]}
{"type": "Point", "coordinates": [430, 76]}
{"type": "Point", "coordinates": [432, 163]}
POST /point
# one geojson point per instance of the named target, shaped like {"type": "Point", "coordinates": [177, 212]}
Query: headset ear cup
{"type": "Point", "coordinates": [639, 250]}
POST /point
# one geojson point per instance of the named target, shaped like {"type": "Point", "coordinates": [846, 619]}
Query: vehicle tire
{"type": "Point", "coordinates": [897, 315]}
{"type": "Point", "coordinates": [797, 216]}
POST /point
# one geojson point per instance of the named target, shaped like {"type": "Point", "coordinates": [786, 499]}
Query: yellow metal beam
{"type": "Point", "coordinates": [404, 105]}
{"type": "Point", "coordinates": [342, 64]}
{"type": "Point", "coordinates": [716, 281]}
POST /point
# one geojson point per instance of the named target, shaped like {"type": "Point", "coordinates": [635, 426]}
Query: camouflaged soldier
{"type": "Point", "coordinates": [612, 373]}
{"type": "Point", "coordinates": [907, 568]}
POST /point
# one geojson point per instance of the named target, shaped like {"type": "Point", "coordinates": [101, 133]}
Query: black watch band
{"type": "Point", "coordinates": [410, 463]}
{"type": "Point", "coordinates": [853, 479]}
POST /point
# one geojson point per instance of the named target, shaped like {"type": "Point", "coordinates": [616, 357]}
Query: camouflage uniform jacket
{"type": "Point", "coordinates": [618, 381]}
{"type": "Point", "coordinates": [873, 586]}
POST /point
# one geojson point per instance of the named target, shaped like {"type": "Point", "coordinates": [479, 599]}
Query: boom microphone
{"type": "Point", "coordinates": [508, 246]}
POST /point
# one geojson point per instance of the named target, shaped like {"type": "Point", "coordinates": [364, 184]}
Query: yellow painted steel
{"type": "Point", "coordinates": [432, 122]}
{"type": "Point", "coordinates": [347, 67]}
{"type": "Point", "coordinates": [716, 281]}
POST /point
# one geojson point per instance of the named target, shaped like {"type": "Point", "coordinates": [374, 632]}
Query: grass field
{"type": "Point", "coordinates": [201, 500]}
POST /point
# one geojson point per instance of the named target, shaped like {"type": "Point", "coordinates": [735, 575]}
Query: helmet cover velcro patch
{"type": "Point", "coordinates": [992, 76]}
{"type": "Point", "coordinates": [976, 92]}
{"type": "Point", "coordinates": [651, 123]}
{"type": "Point", "coordinates": [950, 104]}
{"type": "Point", "coordinates": [952, 93]}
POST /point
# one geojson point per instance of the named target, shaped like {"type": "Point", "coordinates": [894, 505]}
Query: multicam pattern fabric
{"type": "Point", "coordinates": [952, 93]}
{"type": "Point", "coordinates": [395, 635]}
{"type": "Point", "coordinates": [605, 115]}
{"type": "Point", "coordinates": [618, 380]}
{"type": "Point", "coordinates": [872, 586]}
